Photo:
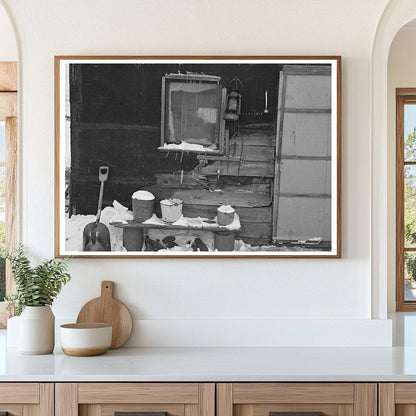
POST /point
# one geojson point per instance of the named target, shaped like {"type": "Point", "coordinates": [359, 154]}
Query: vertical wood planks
{"type": "Point", "coordinates": [207, 399]}
{"type": "Point", "coordinates": [8, 105]}
{"type": "Point", "coordinates": [386, 399]}
{"type": "Point", "coordinates": [346, 410]}
{"type": "Point", "coordinates": [8, 76]}
{"type": "Point", "coordinates": [11, 199]}
{"type": "Point", "coordinates": [66, 399]}
{"type": "Point", "coordinates": [47, 399]}
{"type": "Point", "coordinates": [90, 410]}
{"type": "Point", "coordinates": [224, 399]}
{"type": "Point", "coordinates": [191, 410]}
{"type": "Point", "coordinates": [304, 167]}
{"type": "Point", "coordinates": [365, 399]}
{"type": "Point", "coordinates": [400, 305]}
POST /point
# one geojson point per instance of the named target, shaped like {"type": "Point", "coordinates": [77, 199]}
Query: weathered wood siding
{"type": "Point", "coordinates": [302, 188]}
{"type": "Point", "coordinates": [245, 184]}
{"type": "Point", "coordinates": [242, 180]}
{"type": "Point", "coordinates": [115, 121]}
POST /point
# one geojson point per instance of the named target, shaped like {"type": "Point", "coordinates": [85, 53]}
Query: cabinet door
{"type": "Point", "coordinates": [297, 399]}
{"type": "Point", "coordinates": [397, 399]}
{"type": "Point", "coordinates": [26, 399]}
{"type": "Point", "coordinates": [141, 399]}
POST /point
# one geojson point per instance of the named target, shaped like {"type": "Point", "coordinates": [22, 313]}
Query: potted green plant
{"type": "Point", "coordinates": [36, 289]}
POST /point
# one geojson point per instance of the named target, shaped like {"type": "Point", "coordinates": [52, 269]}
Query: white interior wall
{"type": "Point", "coordinates": [401, 74]}
{"type": "Point", "coordinates": [208, 301]}
{"type": "Point", "coordinates": [8, 47]}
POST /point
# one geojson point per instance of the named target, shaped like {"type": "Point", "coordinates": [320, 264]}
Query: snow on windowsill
{"type": "Point", "coordinates": [187, 147]}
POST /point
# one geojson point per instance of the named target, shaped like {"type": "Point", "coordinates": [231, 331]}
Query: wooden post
{"type": "Point", "coordinates": [11, 200]}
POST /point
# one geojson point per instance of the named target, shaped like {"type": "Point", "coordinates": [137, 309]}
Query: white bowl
{"type": "Point", "coordinates": [83, 340]}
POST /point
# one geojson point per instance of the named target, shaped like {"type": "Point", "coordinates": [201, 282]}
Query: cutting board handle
{"type": "Point", "coordinates": [107, 288]}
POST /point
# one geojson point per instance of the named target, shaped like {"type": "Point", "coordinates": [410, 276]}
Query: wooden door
{"type": "Point", "coordinates": [26, 399]}
{"type": "Point", "coordinates": [143, 399]}
{"type": "Point", "coordinates": [397, 399]}
{"type": "Point", "coordinates": [297, 399]}
{"type": "Point", "coordinates": [302, 182]}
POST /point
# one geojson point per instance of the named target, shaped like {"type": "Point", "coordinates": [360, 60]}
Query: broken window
{"type": "Point", "coordinates": [192, 118]}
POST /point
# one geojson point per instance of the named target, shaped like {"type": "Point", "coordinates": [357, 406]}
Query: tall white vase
{"type": "Point", "coordinates": [37, 330]}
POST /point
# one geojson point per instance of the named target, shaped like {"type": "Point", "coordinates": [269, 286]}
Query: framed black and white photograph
{"type": "Point", "coordinates": [198, 156]}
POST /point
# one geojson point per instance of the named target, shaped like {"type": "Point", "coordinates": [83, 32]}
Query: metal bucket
{"type": "Point", "coordinates": [224, 241]}
{"type": "Point", "coordinates": [225, 218]}
{"type": "Point", "coordinates": [142, 207]}
{"type": "Point", "coordinates": [171, 209]}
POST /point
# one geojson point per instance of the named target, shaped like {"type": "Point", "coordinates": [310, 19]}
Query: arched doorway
{"type": "Point", "coordinates": [395, 16]}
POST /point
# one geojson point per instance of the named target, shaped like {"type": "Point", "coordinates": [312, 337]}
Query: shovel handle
{"type": "Point", "coordinates": [103, 173]}
{"type": "Point", "coordinates": [102, 176]}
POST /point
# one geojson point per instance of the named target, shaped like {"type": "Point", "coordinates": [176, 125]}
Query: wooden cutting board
{"type": "Point", "coordinates": [108, 310]}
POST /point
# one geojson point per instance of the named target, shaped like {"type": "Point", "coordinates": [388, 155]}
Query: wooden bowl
{"type": "Point", "coordinates": [84, 340]}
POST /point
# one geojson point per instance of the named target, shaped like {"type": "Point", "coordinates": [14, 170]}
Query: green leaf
{"type": "Point", "coordinates": [35, 286]}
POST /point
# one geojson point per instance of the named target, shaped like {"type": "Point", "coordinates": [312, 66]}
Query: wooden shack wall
{"type": "Point", "coordinates": [115, 121]}
{"type": "Point", "coordinates": [246, 185]}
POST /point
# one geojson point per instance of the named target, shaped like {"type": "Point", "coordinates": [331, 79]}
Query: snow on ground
{"type": "Point", "coordinates": [75, 225]}
{"type": "Point", "coordinates": [240, 245]}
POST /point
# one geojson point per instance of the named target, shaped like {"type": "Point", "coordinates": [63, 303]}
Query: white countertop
{"type": "Point", "coordinates": [215, 364]}
{"type": "Point", "coordinates": [222, 364]}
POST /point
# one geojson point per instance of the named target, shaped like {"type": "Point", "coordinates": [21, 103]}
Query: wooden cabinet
{"type": "Point", "coordinates": [208, 399]}
{"type": "Point", "coordinates": [263, 399]}
{"type": "Point", "coordinates": [397, 399]}
{"type": "Point", "coordinates": [27, 399]}
{"type": "Point", "coordinates": [106, 399]}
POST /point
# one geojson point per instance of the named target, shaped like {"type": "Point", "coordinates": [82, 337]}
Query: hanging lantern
{"type": "Point", "coordinates": [233, 107]}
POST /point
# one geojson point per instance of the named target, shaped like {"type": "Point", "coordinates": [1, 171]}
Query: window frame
{"type": "Point", "coordinates": [8, 113]}
{"type": "Point", "coordinates": [171, 78]}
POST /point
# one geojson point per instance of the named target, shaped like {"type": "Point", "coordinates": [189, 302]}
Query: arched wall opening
{"type": "Point", "coordinates": [396, 15]}
{"type": "Point", "coordinates": [401, 73]}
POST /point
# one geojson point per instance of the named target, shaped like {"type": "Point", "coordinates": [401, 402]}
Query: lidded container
{"type": "Point", "coordinates": [225, 215]}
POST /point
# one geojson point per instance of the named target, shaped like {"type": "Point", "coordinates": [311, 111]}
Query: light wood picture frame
{"type": "Point", "coordinates": [198, 156]}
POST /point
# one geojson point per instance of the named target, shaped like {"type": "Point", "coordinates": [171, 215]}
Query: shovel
{"type": "Point", "coordinates": [96, 236]}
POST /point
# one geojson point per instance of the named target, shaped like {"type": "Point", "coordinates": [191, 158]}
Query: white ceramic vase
{"type": "Point", "coordinates": [37, 330]}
